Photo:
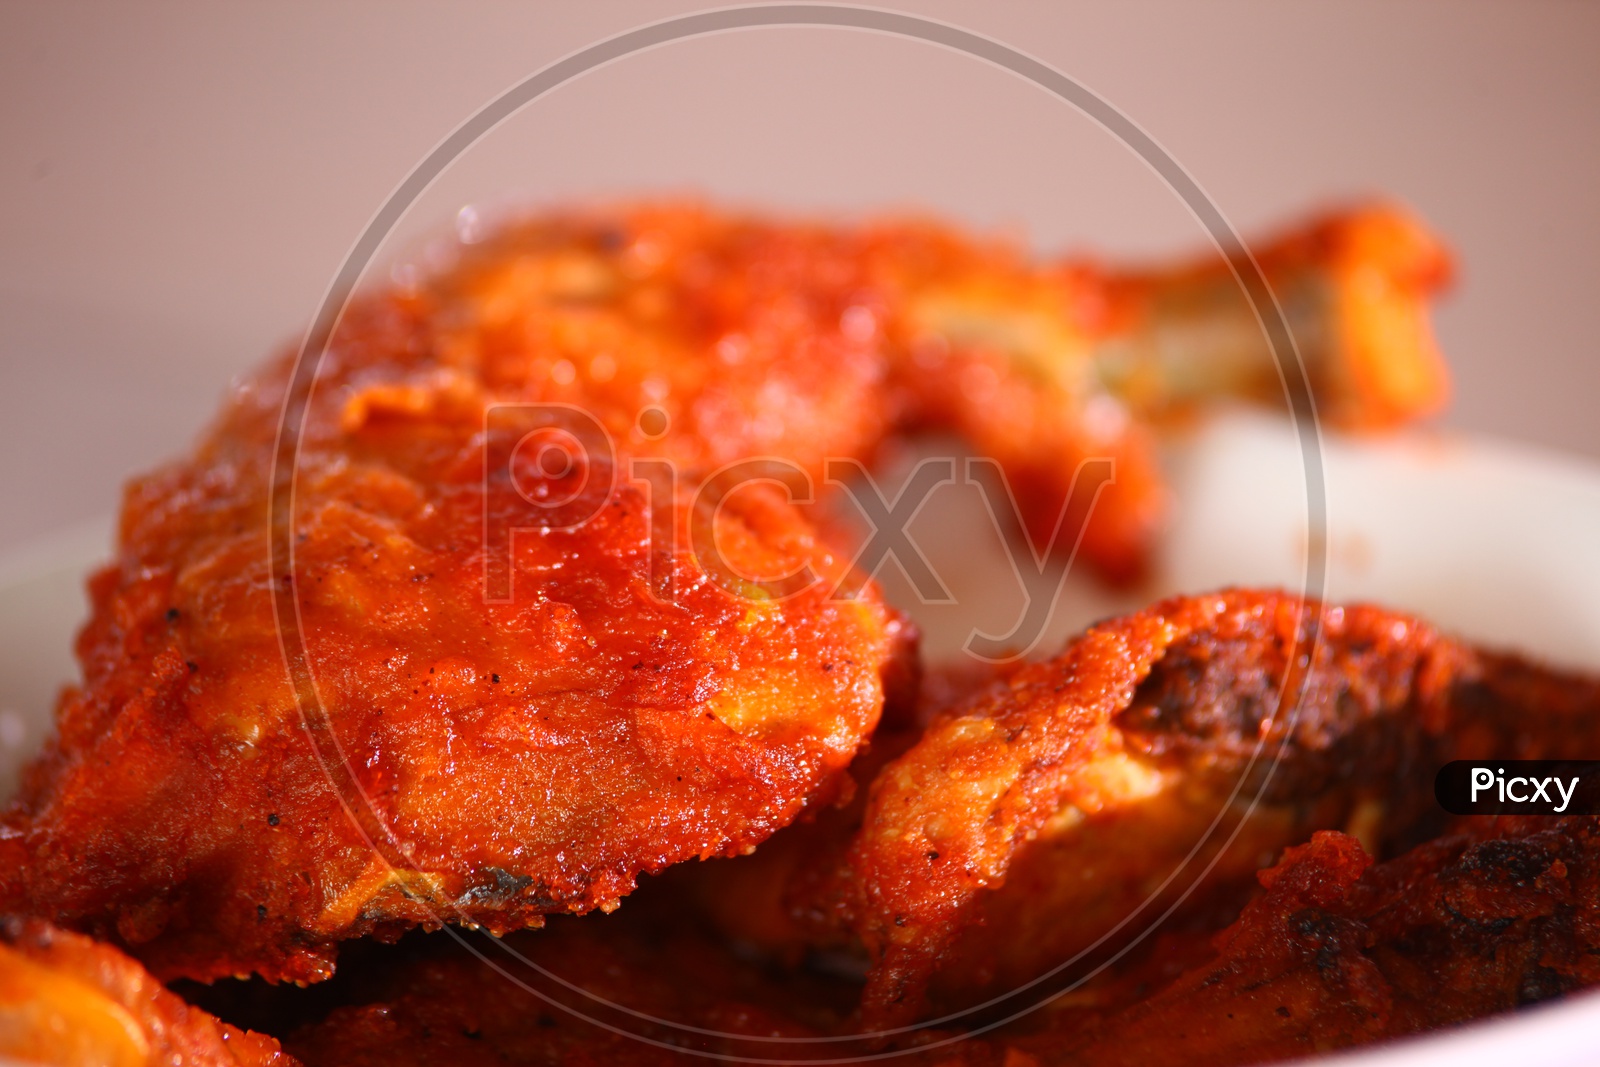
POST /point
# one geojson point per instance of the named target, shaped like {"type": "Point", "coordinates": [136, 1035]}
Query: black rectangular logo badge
{"type": "Point", "coordinates": [1519, 787]}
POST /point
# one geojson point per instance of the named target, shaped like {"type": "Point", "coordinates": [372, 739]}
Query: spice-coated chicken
{"type": "Point", "coordinates": [539, 622]}
{"type": "Point", "coordinates": [633, 699]}
{"type": "Point", "coordinates": [813, 343]}
{"type": "Point", "coordinates": [1036, 825]}
{"type": "Point", "coordinates": [1335, 953]}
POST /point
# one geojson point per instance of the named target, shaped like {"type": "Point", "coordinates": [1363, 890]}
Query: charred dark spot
{"type": "Point", "coordinates": [272, 819]}
{"type": "Point", "coordinates": [1312, 923]}
{"type": "Point", "coordinates": [504, 888]}
{"type": "Point", "coordinates": [1328, 935]}
{"type": "Point", "coordinates": [1507, 861]}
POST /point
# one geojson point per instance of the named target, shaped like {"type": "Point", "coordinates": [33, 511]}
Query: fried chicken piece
{"type": "Point", "coordinates": [461, 757]}
{"type": "Point", "coordinates": [1071, 804]}
{"type": "Point", "coordinates": [815, 343]}
{"type": "Point", "coordinates": [1337, 953]}
{"type": "Point", "coordinates": [68, 1001]}
{"type": "Point", "coordinates": [521, 710]}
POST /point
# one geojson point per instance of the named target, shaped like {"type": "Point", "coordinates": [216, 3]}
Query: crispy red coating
{"type": "Point", "coordinates": [1071, 800]}
{"type": "Point", "coordinates": [812, 342]}
{"type": "Point", "coordinates": [1337, 953]}
{"type": "Point", "coordinates": [494, 759]}
{"type": "Point", "coordinates": [516, 758]}
{"type": "Point", "coordinates": [499, 760]}
{"type": "Point", "coordinates": [68, 1001]}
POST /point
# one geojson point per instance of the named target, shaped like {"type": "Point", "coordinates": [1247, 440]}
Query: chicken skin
{"type": "Point", "coordinates": [1069, 802]}
{"type": "Point", "coordinates": [1339, 952]}
{"type": "Point", "coordinates": [642, 696]}
{"type": "Point", "coordinates": [1035, 826]}
{"type": "Point", "coordinates": [512, 601]}
{"type": "Point", "coordinates": [816, 343]}
{"type": "Point", "coordinates": [1331, 949]}
{"type": "Point", "coordinates": [67, 1001]}
{"type": "Point", "coordinates": [502, 677]}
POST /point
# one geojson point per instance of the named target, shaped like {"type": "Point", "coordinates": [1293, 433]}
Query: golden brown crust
{"type": "Point", "coordinates": [811, 343]}
{"type": "Point", "coordinates": [1335, 951]}
{"type": "Point", "coordinates": [1077, 800]}
{"type": "Point", "coordinates": [944, 821]}
{"type": "Point", "coordinates": [492, 726]}
{"type": "Point", "coordinates": [471, 760]}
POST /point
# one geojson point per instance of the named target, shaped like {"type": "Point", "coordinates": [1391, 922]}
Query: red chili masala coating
{"type": "Point", "coordinates": [1076, 795]}
{"type": "Point", "coordinates": [633, 693]}
{"type": "Point", "coordinates": [1337, 953]}
{"type": "Point", "coordinates": [467, 760]}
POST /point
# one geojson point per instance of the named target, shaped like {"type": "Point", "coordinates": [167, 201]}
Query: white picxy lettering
{"type": "Point", "coordinates": [1507, 789]}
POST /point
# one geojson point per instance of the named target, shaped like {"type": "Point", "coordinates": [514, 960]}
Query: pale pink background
{"type": "Point", "coordinates": [179, 182]}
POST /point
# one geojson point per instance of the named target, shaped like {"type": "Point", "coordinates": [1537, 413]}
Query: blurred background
{"type": "Point", "coordinates": [181, 181]}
